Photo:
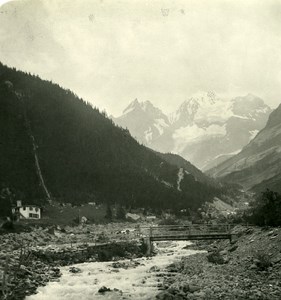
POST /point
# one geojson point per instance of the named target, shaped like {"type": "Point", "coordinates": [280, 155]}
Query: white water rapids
{"type": "Point", "coordinates": [136, 282]}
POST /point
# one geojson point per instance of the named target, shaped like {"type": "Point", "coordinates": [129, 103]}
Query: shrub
{"type": "Point", "coordinates": [215, 257]}
{"type": "Point", "coordinates": [263, 260]}
{"type": "Point", "coordinates": [104, 255]}
{"type": "Point", "coordinates": [121, 214]}
{"type": "Point", "coordinates": [266, 210]}
{"type": "Point", "coordinates": [168, 221]}
{"type": "Point", "coordinates": [8, 225]}
{"type": "Point", "coordinates": [102, 238]}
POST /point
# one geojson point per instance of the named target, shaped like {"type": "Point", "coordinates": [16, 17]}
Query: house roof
{"type": "Point", "coordinates": [26, 205]}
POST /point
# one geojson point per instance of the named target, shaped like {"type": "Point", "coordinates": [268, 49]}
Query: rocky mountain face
{"type": "Point", "coordinates": [145, 121]}
{"type": "Point", "coordinates": [206, 129]}
{"type": "Point", "coordinates": [56, 146]}
{"type": "Point", "coordinates": [258, 165]}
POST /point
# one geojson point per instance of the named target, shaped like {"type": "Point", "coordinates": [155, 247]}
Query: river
{"type": "Point", "coordinates": [139, 280]}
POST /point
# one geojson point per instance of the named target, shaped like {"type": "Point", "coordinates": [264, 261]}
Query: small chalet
{"type": "Point", "coordinates": [151, 218]}
{"type": "Point", "coordinates": [133, 217]}
{"type": "Point", "coordinates": [26, 211]}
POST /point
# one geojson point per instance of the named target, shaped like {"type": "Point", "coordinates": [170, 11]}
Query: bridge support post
{"type": "Point", "coordinates": [149, 246]}
{"type": "Point", "coordinates": [149, 243]}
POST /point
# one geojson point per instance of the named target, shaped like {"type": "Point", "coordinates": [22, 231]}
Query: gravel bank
{"type": "Point", "coordinates": [250, 268]}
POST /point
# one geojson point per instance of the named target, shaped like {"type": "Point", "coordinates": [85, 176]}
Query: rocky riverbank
{"type": "Point", "coordinates": [250, 268]}
{"type": "Point", "coordinates": [32, 259]}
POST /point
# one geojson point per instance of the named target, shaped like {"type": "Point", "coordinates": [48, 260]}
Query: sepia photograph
{"type": "Point", "coordinates": [140, 149]}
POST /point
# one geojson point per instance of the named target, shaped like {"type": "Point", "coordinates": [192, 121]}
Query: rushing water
{"type": "Point", "coordinates": [136, 282]}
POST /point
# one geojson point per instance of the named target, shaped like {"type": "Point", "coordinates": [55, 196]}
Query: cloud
{"type": "Point", "coordinates": [195, 134]}
{"type": "Point", "coordinates": [2, 2]}
{"type": "Point", "coordinates": [111, 52]}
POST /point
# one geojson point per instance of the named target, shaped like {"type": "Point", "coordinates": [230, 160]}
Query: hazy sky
{"type": "Point", "coordinates": [112, 51]}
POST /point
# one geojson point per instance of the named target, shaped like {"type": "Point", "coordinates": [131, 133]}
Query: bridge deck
{"type": "Point", "coordinates": [190, 237]}
{"type": "Point", "coordinates": [185, 232]}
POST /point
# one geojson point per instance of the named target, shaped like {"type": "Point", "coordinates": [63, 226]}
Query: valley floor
{"type": "Point", "coordinates": [249, 268]}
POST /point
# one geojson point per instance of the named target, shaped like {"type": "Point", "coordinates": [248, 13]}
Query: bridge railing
{"type": "Point", "coordinates": [181, 230]}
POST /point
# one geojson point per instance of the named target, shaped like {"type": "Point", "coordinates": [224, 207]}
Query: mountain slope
{"type": "Point", "coordinates": [180, 162]}
{"type": "Point", "coordinates": [258, 165]}
{"type": "Point", "coordinates": [206, 129]}
{"type": "Point", "coordinates": [80, 154]}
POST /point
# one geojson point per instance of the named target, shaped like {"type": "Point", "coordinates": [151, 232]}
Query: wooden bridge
{"type": "Point", "coordinates": [186, 232]}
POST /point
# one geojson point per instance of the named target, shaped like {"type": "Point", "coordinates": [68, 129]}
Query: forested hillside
{"type": "Point", "coordinates": [180, 162]}
{"type": "Point", "coordinates": [82, 156]}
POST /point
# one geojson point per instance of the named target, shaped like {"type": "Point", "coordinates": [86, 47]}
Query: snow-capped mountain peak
{"type": "Point", "coordinates": [205, 129]}
{"type": "Point", "coordinates": [198, 106]}
{"type": "Point", "coordinates": [132, 106]}
{"type": "Point", "coordinates": [249, 106]}
{"type": "Point", "coordinates": [151, 110]}
{"type": "Point", "coordinates": [145, 121]}
{"type": "Point", "coordinates": [145, 106]}
{"type": "Point", "coordinates": [185, 112]}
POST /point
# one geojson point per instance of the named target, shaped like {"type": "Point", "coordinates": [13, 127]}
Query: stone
{"type": "Point", "coordinates": [226, 259]}
{"type": "Point", "coordinates": [233, 248]}
{"type": "Point", "coordinates": [185, 288]}
{"type": "Point", "coordinates": [75, 270]}
{"type": "Point", "coordinates": [154, 269]}
{"type": "Point", "coordinates": [253, 267]}
{"type": "Point", "coordinates": [277, 259]}
{"type": "Point", "coordinates": [104, 289]}
{"type": "Point", "coordinates": [173, 290]}
{"type": "Point", "coordinates": [165, 296]}
{"type": "Point", "coordinates": [200, 295]}
{"type": "Point", "coordinates": [179, 296]}
{"type": "Point", "coordinates": [193, 288]}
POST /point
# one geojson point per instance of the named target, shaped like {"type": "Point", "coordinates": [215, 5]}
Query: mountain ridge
{"type": "Point", "coordinates": [82, 155]}
{"type": "Point", "coordinates": [206, 129]}
{"type": "Point", "coordinates": [258, 165]}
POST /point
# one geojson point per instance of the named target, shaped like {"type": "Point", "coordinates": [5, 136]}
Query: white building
{"type": "Point", "coordinates": [134, 217]}
{"type": "Point", "coordinates": [150, 218]}
{"type": "Point", "coordinates": [26, 211]}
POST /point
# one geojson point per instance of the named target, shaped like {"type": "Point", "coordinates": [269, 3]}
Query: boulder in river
{"type": "Point", "coordinates": [104, 289]}
{"type": "Point", "coordinates": [165, 296]}
{"type": "Point", "coordinates": [74, 270]}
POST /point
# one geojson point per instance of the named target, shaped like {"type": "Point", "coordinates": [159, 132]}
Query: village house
{"type": "Point", "coordinates": [26, 211]}
{"type": "Point", "coordinates": [133, 217]}
{"type": "Point", "coordinates": [150, 218]}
